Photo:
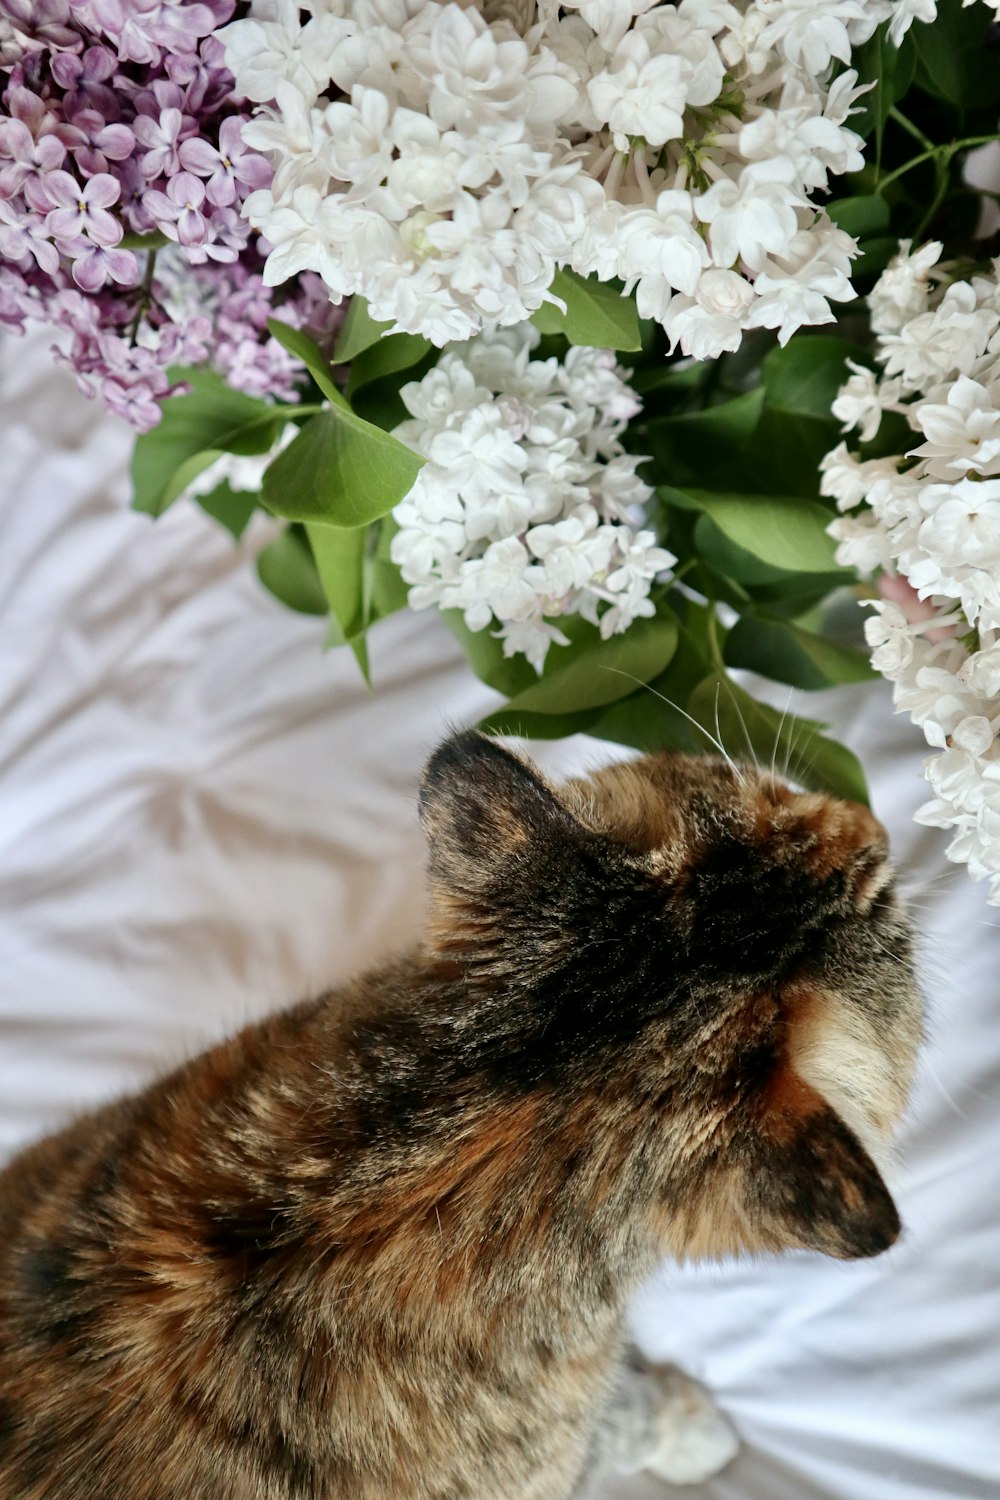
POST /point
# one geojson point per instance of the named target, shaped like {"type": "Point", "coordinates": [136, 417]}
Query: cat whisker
{"type": "Point", "coordinates": [934, 1076]}
{"type": "Point", "coordinates": [743, 723]}
{"type": "Point", "coordinates": [777, 737]}
{"type": "Point", "coordinates": [676, 706]}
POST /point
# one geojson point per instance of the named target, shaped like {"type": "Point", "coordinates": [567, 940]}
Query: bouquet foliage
{"type": "Point", "coordinates": [554, 317]}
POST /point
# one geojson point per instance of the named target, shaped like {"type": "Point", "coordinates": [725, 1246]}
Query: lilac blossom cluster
{"type": "Point", "coordinates": [442, 159]}
{"type": "Point", "coordinates": [122, 176]}
{"type": "Point", "coordinates": [929, 518]}
{"type": "Point", "coordinates": [528, 509]}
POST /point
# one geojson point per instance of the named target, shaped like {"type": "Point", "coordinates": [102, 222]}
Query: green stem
{"type": "Point", "coordinates": [940, 192]}
{"type": "Point", "coordinates": [908, 125]}
{"type": "Point", "coordinates": [712, 632]}
{"type": "Point", "coordinates": [943, 153]}
{"type": "Point", "coordinates": [145, 297]}
{"type": "Point", "coordinates": [293, 410]}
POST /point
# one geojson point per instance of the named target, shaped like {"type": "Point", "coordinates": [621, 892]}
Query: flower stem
{"type": "Point", "coordinates": [908, 125]}
{"type": "Point", "coordinates": [145, 297]}
{"type": "Point", "coordinates": [943, 153]}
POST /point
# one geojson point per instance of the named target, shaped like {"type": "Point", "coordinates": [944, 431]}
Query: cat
{"type": "Point", "coordinates": [380, 1245]}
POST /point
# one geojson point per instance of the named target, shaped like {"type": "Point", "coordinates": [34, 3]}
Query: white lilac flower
{"type": "Point", "coordinates": [444, 159]}
{"type": "Point", "coordinates": [860, 402]}
{"type": "Point", "coordinates": [963, 433]}
{"type": "Point", "coordinates": [929, 520]}
{"type": "Point", "coordinates": [527, 509]}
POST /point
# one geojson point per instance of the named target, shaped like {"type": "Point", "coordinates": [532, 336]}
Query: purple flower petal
{"type": "Point", "coordinates": [101, 191]}
{"type": "Point", "coordinates": [198, 156]}
{"type": "Point", "coordinates": [65, 223]}
{"type": "Point", "coordinates": [163, 209]}
{"type": "Point", "coordinates": [253, 170]}
{"type": "Point", "coordinates": [221, 189]}
{"type": "Point", "coordinates": [89, 272]}
{"type": "Point", "coordinates": [11, 179]}
{"type": "Point", "coordinates": [51, 153]}
{"type": "Point", "coordinates": [187, 190]}
{"type": "Point", "coordinates": [45, 254]}
{"type": "Point", "coordinates": [61, 190]}
{"type": "Point", "coordinates": [92, 269]}
{"type": "Point", "coordinates": [26, 106]}
{"type": "Point", "coordinates": [230, 137]}
{"type": "Point", "coordinates": [116, 141]}
{"type": "Point", "coordinates": [146, 130]}
{"type": "Point", "coordinates": [103, 228]}
{"type": "Point", "coordinates": [17, 140]}
{"type": "Point", "coordinates": [191, 227]}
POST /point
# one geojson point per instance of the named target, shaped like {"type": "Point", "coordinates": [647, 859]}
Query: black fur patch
{"type": "Point", "coordinates": [9, 1423]}
{"type": "Point", "coordinates": [51, 1292]}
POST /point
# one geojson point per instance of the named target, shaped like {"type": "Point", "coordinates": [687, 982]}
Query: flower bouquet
{"type": "Point", "coordinates": [554, 317]}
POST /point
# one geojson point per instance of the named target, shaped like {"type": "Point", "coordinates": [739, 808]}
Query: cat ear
{"type": "Point", "coordinates": [818, 1181]}
{"type": "Point", "coordinates": [482, 807]}
{"type": "Point", "coordinates": [494, 827]}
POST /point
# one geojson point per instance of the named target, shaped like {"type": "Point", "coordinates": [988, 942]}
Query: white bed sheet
{"type": "Point", "coordinates": [202, 816]}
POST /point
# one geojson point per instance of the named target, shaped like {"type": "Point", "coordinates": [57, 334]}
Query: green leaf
{"type": "Point", "coordinates": [287, 569]}
{"type": "Point", "coordinates": [889, 71]}
{"type": "Point", "coordinates": [231, 508]}
{"type": "Point", "coordinates": [340, 560]}
{"type": "Point", "coordinates": [357, 332]}
{"type": "Point", "coordinates": [789, 653]}
{"type": "Point", "coordinates": [535, 726]}
{"type": "Point", "coordinates": [729, 561]}
{"type": "Point", "coordinates": [954, 59]}
{"type": "Point", "coordinates": [398, 351]}
{"type": "Point", "coordinates": [597, 314]}
{"type": "Point", "coordinates": [182, 477]}
{"type": "Point", "coordinates": [600, 672]}
{"type": "Point", "coordinates": [340, 470]}
{"type": "Point", "coordinates": [782, 532]}
{"type": "Point", "coordinates": [703, 447]}
{"type": "Point", "coordinates": [806, 375]}
{"type": "Point", "coordinates": [795, 747]}
{"type": "Point", "coordinates": [681, 375]}
{"type": "Point", "coordinates": [154, 240]}
{"type": "Point", "coordinates": [653, 718]}
{"type": "Point", "coordinates": [784, 454]}
{"type": "Point", "coordinates": [860, 216]}
{"type": "Point", "coordinates": [389, 593]}
{"type": "Point", "coordinates": [193, 431]}
{"type": "Point", "coordinates": [311, 355]}
{"type": "Point", "coordinates": [729, 422]}
{"type": "Point", "coordinates": [509, 675]}
{"type": "Point", "coordinates": [876, 253]}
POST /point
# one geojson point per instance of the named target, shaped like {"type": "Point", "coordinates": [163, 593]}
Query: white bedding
{"type": "Point", "coordinates": [202, 816]}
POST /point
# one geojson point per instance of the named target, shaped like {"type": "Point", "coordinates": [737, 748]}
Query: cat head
{"type": "Point", "coordinates": [701, 954]}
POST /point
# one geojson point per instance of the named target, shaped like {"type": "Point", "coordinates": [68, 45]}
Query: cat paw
{"type": "Point", "coordinates": [695, 1440]}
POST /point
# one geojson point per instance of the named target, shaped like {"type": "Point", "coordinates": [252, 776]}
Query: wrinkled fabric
{"type": "Point", "coordinates": [203, 816]}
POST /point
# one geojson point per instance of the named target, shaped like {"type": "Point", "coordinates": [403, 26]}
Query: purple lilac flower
{"type": "Point", "coordinates": [231, 164]}
{"type": "Point", "coordinates": [81, 210]}
{"type": "Point", "coordinates": [84, 76]}
{"type": "Point", "coordinates": [93, 265]}
{"type": "Point", "coordinates": [118, 116]}
{"type": "Point", "coordinates": [162, 136]}
{"type": "Point", "coordinates": [178, 210]}
{"type": "Point", "coordinates": [27, 157]}
{"type": "Point", "coordinates": [25, 234]}
{"type": "Point", "coordinates": [43, 23]}
{"type": "Point", "coordinates": [93, 142]}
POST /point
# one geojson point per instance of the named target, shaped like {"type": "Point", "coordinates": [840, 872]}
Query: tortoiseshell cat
{"type": "Point", "coordinates": [378, 1247]}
